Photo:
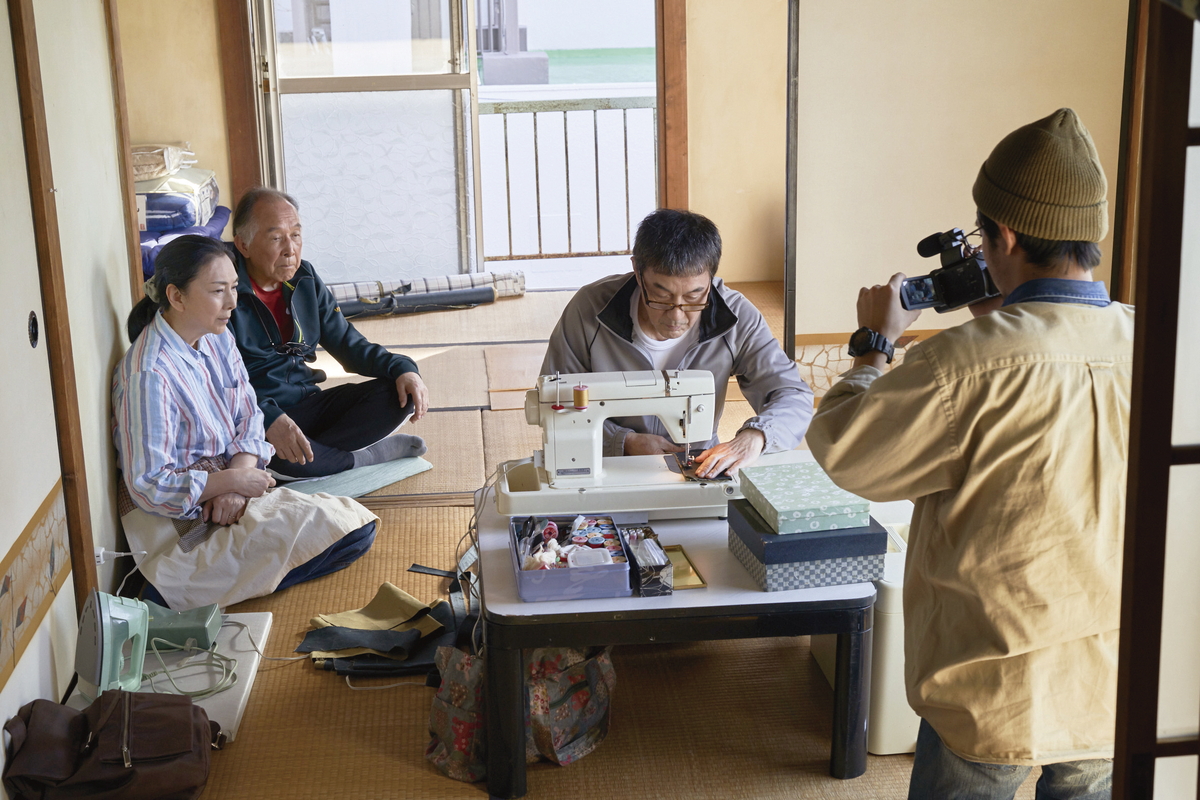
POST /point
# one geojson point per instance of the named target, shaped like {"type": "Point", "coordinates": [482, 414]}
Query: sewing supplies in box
{"type": "Point", "coordinates": [654, 571]}
{"type": "Point", "coordinates": [569, 558]}
{"type": "Point", "coordinates": [590, 542]}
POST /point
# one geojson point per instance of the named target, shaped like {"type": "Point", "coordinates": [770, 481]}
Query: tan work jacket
{"type": "Point", "coordinates": [1010, 433]}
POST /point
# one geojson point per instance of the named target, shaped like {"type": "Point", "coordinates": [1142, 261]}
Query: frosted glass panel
{"type": "Point", "coordinates": [374, 173]}
{"type": "Point", "coordinates": [1186, 429]}
{"type": "Point", "coordinates": [1179, 672]}
{"type": "Point", "coordinates": [324, 38]}
{"type": "Point", "coordinates": [1175, 778]}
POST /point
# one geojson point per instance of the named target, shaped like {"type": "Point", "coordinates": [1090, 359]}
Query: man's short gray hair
{"type": "Point", "coordinates": [244, 224]}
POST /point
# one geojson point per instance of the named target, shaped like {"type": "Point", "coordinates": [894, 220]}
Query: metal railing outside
{"type": "Point", "coordinates": [562, 108]}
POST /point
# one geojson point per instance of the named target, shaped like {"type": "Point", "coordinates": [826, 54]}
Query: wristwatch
{"type": "Point", "coordinates": [864, 340]}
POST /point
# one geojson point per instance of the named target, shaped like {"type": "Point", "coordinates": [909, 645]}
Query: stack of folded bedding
{"type": "Point", "coordinates": [153, 241]}
{"type": "Point", "coordinates": [183, 199]}
{"type": "Point", "coordinates": [174, 198]}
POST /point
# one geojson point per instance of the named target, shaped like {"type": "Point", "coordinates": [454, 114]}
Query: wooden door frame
{"type": "Point", "coordinates": [124, 157]}
{"type": "Point", "coordinates": [1158, 198]}
{"type": "Point", "coordinates": [670, 53]}
{"type": "Point", "coordinates": [1125, 224]}
{"type": "Point", "coordinates": [54, 298]}
{"type": "Point", "coordinates": [240, 80]}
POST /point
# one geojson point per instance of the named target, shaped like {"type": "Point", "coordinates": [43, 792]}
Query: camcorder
{"type": "Point", "coordinates": [963, 278]}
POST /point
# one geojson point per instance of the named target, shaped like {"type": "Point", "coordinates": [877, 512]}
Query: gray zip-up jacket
{"type": "Point", "coordinates": [595, 334]}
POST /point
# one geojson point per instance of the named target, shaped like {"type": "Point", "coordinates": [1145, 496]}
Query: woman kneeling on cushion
{"type": "Point", "coordinates": [189, 435]}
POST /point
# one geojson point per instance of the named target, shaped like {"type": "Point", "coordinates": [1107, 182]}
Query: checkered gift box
{"type": "Point", "coordinates": [806, 574]}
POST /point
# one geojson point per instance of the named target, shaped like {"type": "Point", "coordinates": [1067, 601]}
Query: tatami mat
{"type": "Point", "coordinates": [748, 719]}
{"type": "Point", "coordinates": [530, 317]}
{"type": "Point", "coordinates": [506, 436]}
{"type": "Point", "coordinates": [455, 375]}
{"type": "Point", "coordinates": [306, 735]}
{"type": "Point", "coordinates": [455, 442]}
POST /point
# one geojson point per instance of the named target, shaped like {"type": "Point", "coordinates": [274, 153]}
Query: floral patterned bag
{"type": "Point", "coordinates": [568, 693]}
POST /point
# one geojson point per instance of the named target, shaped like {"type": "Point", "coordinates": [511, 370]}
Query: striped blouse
{"type": "Point", "coordinates": [174, 405]}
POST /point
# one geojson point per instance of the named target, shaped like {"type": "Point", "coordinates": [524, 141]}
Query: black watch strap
{"type": "Point", "coordinates": [864, 340]}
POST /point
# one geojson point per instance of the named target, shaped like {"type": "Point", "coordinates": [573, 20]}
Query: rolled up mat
{"type": "Point", "coordinates": [416, 303]}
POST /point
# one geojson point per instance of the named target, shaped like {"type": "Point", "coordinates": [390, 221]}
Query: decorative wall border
{"type": "Point", "coordinates": [31, 574]}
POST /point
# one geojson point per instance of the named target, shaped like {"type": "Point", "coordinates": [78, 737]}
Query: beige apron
{"type": "Point", "coordinates": [194, 563]}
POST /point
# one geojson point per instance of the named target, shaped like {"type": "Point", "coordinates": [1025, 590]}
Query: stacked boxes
{"type": "Point", "coordinates": [797, 530]}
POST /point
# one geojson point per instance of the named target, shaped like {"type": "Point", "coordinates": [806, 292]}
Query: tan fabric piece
{"type": "Point", "coordinates": [1010, 433]}
{"type": "Point", "coordinates": [390, 608]}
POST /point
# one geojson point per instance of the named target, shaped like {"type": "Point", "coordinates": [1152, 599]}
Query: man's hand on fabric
{"type": "Point", "coordinates": [410, 385]}
{"type": "Point", "coordinates": [741, 451]}
{"type": "Point", "coordinates": [289, 441]}
{"type": "Point", "coordinates": [649, 444]}
{"type": "Point", "coordinates": [225, 509]}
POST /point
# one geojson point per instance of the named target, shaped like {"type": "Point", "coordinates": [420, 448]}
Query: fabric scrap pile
{"type": "Point", "coordinates": [394, 634]}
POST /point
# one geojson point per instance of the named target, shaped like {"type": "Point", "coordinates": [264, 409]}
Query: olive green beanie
{"type": "Point", "coordinates": [1045, 180]}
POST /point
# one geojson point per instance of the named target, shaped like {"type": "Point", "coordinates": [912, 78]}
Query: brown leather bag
{"type": "Point", "coordinates": [127, 745]}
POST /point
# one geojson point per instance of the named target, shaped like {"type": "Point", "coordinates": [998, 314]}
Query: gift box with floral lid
{"type": "Point", "coordinates": [794, 498]}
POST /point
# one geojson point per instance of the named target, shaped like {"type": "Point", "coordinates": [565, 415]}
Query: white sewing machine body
{"type": "Point", "coordinates": [569, 475]}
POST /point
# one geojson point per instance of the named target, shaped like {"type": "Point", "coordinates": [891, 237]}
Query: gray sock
{"type": "Point", "coordinates": [402, 445]}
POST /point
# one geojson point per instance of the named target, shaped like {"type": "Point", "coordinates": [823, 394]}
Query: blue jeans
{"type": "Point", "coordinates": [339, 555]}
{"type": "Point", "coordinates": [939, 774]}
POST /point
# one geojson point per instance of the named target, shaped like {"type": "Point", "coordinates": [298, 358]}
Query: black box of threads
{"type": "Point", "coordinates": [569, 558]}
{"type": "Point", "coordinates": [653, 573]}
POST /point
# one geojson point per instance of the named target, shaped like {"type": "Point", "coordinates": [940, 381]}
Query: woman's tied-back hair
{"type": "Point", "coordinates": [676, 243]}
{"type": "Point", "coordinates": [177, 264]}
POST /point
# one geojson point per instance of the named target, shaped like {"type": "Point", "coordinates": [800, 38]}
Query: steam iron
{"type": "Point", "coordinates": [111, 648]}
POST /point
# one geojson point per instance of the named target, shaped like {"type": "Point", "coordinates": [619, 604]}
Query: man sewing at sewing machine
{"type": "Point", "coordinates": [672, 312]}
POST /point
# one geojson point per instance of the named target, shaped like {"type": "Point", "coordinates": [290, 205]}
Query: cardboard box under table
{"type": "Point", "coordinates": [800, 497]}
{"type": "Point", "coordinates": [804, 560]}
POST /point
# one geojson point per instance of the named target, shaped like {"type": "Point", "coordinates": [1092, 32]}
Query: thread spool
{"type": "Point", "coordinates": [581, 397]}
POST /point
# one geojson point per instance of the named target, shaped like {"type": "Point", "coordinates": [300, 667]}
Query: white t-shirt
{"type": "Point", "coordinates": [662, 354]}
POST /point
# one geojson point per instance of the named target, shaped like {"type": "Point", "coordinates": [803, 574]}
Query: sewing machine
{"type": "Point", "coordinates": [569, 475]}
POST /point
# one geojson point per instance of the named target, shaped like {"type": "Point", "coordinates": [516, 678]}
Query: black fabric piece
{"type": "Point", "coordinates": [420, 660]}
{"type": "Point", "coordinates": [396, 644]}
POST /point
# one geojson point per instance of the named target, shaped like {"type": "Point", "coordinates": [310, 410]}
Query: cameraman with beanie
{"type": "Point", "coordinates": [1010, 434]}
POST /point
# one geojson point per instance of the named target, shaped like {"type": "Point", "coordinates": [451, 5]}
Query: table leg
{"type": "Point", "coordinates": [851, 700]}
{"type": "Point", "coordinates": [505, 706]}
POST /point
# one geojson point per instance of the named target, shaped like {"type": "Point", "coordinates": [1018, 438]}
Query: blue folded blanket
{"type": "Point", "coordinates": [153, 241]}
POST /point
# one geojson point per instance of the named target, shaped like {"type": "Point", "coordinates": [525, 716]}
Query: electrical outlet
{"type": "Point", "coordinates": [99, 555]}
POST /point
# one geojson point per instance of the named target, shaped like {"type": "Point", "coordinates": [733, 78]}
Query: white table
{"type": "Point", "coordinates": [730, 607]}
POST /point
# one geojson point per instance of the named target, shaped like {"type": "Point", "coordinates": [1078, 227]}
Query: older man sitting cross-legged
{"type": "Point", "coordinates": [284, 312]}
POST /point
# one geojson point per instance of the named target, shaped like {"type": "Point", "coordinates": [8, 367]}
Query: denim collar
{"type": "Point", "coordinates": [1059, 290]}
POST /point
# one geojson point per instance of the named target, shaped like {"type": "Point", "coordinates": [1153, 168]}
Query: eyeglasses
{"type": "Point", "coordinates": [687, 308]}
{"type": "Point", "coordinates": [302, 349]}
